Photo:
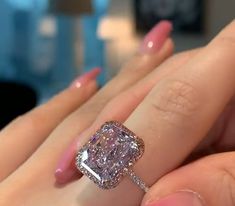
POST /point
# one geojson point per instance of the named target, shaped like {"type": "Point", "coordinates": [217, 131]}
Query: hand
{"type": "Point", "coordinates": [179, 105]}
{"type": "Point", "coordinates": [31, 145]}
{"type": "Point", "coordinates": [173, 119]}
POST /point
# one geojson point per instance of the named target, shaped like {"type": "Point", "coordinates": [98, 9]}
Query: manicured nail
{"type": "Point", "coordinates": [156, 38]}
{"type": "Point", "coordinates": [182, 198]}
{"type": "Point", "coordinates": [85, 78]}
{"type": "Point", "coordinates": [66, 170]}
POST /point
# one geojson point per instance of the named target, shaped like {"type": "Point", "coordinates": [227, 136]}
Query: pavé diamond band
{"type": "Point", "coordinates": [110, 155]}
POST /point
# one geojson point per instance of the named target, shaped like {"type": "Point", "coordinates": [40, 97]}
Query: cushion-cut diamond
{"type": "Point", "coordinates": [109, 154]}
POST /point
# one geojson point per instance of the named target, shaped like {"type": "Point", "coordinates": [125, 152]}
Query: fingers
{"type": "Point", "coordinates": [185, 99]}
{"type": "Point", "coordinates": [177, 114]}
{"type": "Point", "coordinates": [85, 115]}
{"type": "Point", "coordinates": [43, 161]}
{"type": "Point", "coordinates": [85, 190]}
{"type": "Point", "coordinates": [130, 100]}
{"type": "Point", "coordinates": [66, 170]}
{"type": "Point", "coordinates": [27, 132]}
{"type": "Point", "coordinates": [206, 182]}
{"type": "Point", "coordinates": [134, 68]}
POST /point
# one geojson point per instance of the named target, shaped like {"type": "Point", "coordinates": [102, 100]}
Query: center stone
{"type": "Point", "coordinates": [106, 158]}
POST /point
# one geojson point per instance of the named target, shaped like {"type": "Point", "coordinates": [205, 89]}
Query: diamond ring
{"type": "Point", "coordinates": [110, 155]}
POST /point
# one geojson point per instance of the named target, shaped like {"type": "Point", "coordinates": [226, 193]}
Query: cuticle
{"type": "Point", "coordinates": [194, 193]}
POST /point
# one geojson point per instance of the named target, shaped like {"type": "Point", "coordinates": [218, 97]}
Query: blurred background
{"type": "Point", "coordinates": [44, 44]}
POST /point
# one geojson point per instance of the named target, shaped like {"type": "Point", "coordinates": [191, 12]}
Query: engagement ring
{"type": "Point", "coordinates": [110, 155]}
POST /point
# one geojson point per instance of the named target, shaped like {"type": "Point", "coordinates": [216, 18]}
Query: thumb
{"type": "Point", "coordinates": [207, 182]}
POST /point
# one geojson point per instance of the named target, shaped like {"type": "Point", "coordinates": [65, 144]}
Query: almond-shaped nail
{"type": "Point", "coordinates": [85, 78]}
{"type": "Point", "coordinates": [66, 170]}
{"type": "Point", "coordinates": [155, 39]}
{"type": "Point", "coordinates": [182, 198]}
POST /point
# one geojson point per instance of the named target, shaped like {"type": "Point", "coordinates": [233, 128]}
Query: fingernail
{"type": "Point", "coordinates": [66, 169]}
{"type": "Point", "coordinates": [156, 38]}
{"type": "Point", "coordinates": [85, 78]}
{"type": "Point", "coordinates": [182, 198]}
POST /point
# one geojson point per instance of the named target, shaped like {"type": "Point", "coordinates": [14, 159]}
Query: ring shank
{"type": "Point", "coordinates": [140, 183]}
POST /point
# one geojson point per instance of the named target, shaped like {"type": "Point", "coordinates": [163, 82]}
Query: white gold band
{"type": "Point", "coordinates": [140, 183]}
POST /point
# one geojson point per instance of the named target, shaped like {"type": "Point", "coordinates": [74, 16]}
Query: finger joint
{"type": "Point", "coordinates": [176, 101]}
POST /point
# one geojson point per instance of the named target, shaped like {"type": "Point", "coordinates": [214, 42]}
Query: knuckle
{"type": "Point", "coordinates": [176, 100]}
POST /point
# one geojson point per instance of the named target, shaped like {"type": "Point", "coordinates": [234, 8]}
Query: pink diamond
{"type": "Point", "coordinates": [106, 158]}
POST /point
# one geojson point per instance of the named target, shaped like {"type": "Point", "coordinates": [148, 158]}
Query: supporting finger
{"type": "Point", "coordinates": [206, 182]}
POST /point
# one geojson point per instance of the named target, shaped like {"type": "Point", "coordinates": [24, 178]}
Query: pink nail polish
{"type": "Point", "coordinates": [183, 198]}
{"type": "Point", "coordinates": [66, 169]}
{"type": "Point", "coordinates": [156, 38]}
{"type": "Point", "coordinates": [85, 78]}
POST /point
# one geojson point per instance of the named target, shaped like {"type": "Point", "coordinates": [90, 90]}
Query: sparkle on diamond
{"type": "Point", "coordinates": [109, 153]}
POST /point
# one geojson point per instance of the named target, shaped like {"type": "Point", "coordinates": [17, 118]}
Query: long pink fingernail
{"type": "Point", "coordinates": [85, 78]}
{"type": "Point", "coordinates": [156, 38]}
{"type": "Point", "coordinates": [66, 169]}
{"type": "Point", "coordinates": [184, 198]}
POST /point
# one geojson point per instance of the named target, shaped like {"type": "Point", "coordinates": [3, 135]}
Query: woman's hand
{"type": "Point", "coordinates": [178, 109]}
{"type": "Point", "coordinates": [32, 144]}
{"type": "Point", "coordinates": [173, 119]}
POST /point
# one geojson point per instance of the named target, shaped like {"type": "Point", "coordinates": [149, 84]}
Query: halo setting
{"type": "Point", "coordinates": [109, 155]}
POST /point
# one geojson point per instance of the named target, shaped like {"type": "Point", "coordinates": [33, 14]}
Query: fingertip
{"type": "Point", "coordinates": [86, 78]}
{"type": "Point", "coordinates": [64, 177]}
{"type": "Point", "coordinates": [156, 38]}
{"type": "Point", "coordinates": [168, 47]}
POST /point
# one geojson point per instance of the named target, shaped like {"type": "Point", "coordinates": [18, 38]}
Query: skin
{"type": "Point", "coordinates": [20, 131]}
{"type": "Point", "coordinates": [184, 103]}
{"type": "Point", "coordinates": [138, 67]}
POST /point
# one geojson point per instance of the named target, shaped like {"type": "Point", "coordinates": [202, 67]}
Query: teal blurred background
{"type": "Point", "coordinates": [45, 44]}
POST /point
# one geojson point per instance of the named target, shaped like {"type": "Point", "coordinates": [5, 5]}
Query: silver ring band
{"type": "Point", "coordinates": [140, 183]}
